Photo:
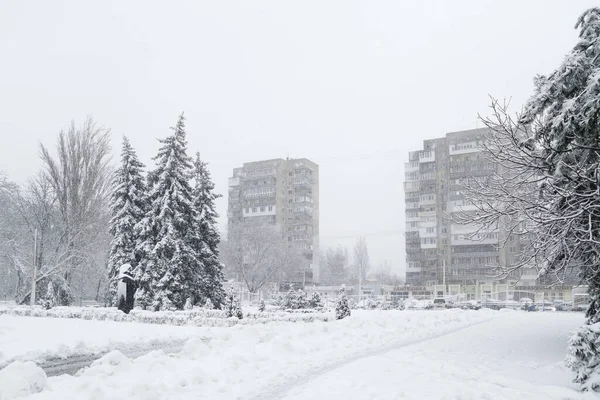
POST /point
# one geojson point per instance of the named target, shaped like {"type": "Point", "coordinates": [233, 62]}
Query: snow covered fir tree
{"type": "Point", "coordinates": [232, 306]}
{"type": "Point", "coordinates": [171, 249]}
{"type": "Point", "coordinates": [342, 308]}
{"type": "Point", "coordinates": [208, 245]}
{"type": "Point", "coordinates": [128, 206]}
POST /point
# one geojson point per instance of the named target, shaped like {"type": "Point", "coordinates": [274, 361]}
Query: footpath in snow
{"type": "Point", "coordinates": [515, 356]}
{"type": "Point", "coordinates": [248, 360]}
{"type": "Point", "coordinates": [37, 339]}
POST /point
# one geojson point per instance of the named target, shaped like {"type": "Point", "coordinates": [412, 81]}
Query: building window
{"type": "Point", "coordinates": [270, 208]}
{"type": "Point", "coordinates": [247, 210]}
{"type": "Point", "coordinates": [254, 209]}
{"type": "Point", "coordinates": [262, 209]}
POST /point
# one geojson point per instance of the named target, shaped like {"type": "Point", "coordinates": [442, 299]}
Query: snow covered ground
{"type": "Point", "coordinates": [516, 356]}
{"type": "Point", "coordinates": [449, 354]}
{"type": "Point", "coordinates": [36, 339]}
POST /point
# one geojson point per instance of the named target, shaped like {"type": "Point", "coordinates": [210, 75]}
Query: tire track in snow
{"type": "Point", "coordinates": [71, 365]}
{"type": "Point", "coordinates": [280, 388]}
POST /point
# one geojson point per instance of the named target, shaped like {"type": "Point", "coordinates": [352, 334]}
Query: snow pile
{"type": "Point", "coordinates": [241, 361]}
{"type": "Point", "coordinates": [20, 379]}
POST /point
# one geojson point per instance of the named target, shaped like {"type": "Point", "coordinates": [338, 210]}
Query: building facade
{"type": "Point", "coordinates": [284, 193]}
{"type": "Point", "coordinates": [440, 252]}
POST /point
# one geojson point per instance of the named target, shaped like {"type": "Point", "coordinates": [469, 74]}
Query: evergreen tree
{"type": "Point", "coordinates": [209, 304]}
{"type": "Point", "coordinates": [315, 300]}
{"type": "Point", "coordinates": [232, 305]}
{"type": "Point", "coordinates": [261, 306]}
{"type": "Point", "coordinates": [128, 208]}
{"type": "Point", "coordinates": [208, 245]}
{"type": "Point", "coordinates": [170, 267]}
{"type": "Point", "coordinates": [342, 309]}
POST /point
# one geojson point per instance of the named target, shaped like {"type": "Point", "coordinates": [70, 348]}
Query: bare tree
{"type": "Point", "coordinates": [80, 179]}
{"type": "Point", "coordinates": [385, 275]}
{"type": "Point", "coordinates": [361, 258]}
{"type": "Point", "coordinates": [258, 254]}
{"type": "Point", "coordinates": [334, 262]}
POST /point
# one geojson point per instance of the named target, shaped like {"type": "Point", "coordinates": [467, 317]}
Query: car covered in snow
{"type": "Point", "coordinates": [439, 304]}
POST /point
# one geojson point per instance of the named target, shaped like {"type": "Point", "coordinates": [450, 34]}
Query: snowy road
{"type": "Point", "coordinates": [518, 356]}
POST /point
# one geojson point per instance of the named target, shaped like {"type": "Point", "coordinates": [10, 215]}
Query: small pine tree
{"type": "Point", "coordinates": [261, 306]}
{"type": "Point", "coordinates": [315, 300]}
{"type": "Point", "coordinates": [342, 309]}
{"type": "Point", "coordinates": [232, 304]}
{"type": "Point", "coordinates": [209, 304]}
{"type": "Point", "coordinates": [128, 206]}
{"type": "Point", "coordinates": [188, 304]}
{"type": "Point", "coordinates": [49, 300]}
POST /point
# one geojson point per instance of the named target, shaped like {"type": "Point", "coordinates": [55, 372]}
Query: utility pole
{"type": "Point", "coordinates": [32, 297]}
{"type": "Point", "coordinates": [444, 275]}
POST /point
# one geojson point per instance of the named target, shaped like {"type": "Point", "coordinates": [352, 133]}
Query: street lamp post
{"type": "Point", "coordinates": [33, 283]}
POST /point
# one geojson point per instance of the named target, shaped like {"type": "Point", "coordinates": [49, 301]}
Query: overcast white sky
{"type": "Point", "coordinates": [352, 85]}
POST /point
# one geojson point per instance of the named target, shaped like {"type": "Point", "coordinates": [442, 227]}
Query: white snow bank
{"type": "Point", "coordinates": [21, 379]}
{"type": "Point", "coordinates": [36, 339]}
{"type": "Point", "coordinates": [244, 360]}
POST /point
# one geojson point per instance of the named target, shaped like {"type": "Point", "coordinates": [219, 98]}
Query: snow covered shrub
{"type": "Point", "coordinates": [232, 305]}
{"type": "Point", "coordinates": [49, 300]}
{"type": "Point", "coordinates": [342, 309]}
{"type": "Point", "coordinates": [188, 304]}
{"type": "Point", "coordinates": [295, 299]}
{"type": "Point", "coordinates": [278, 299]}
{"type": "Point", "coordinates": [209, 305]}
{"type": "Point", "coordinates": [315, 300]}
{"type": "Point", "coordinates": [584, 357]}
{"type": "Point", "coordinates": [261, 306]}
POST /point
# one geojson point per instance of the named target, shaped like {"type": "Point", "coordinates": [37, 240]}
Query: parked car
{"type": "Point", "coordinates": [439, 304]}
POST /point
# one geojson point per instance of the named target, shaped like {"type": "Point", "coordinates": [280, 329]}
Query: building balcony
{"type": "Point", "coordinates": [303, 181]}
{"type": "Point", "coordinates": [464, 148]}
{"type": "Point", "coordinates": [426, 156]}
{"type": "Point", "coordinates": [412, 166]}
{"type": "Point", "coordinates": [412, 186]}
{"type": "Point", "coordinates": [412, 206]}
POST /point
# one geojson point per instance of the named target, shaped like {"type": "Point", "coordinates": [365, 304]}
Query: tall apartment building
{"type": "Point", "coordinates": [439, 251]}
{"type": "Point", "coordinates": [284, 193]}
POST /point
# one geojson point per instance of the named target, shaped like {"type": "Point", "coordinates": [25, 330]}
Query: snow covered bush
{"type": "Point", "coordinates": [295, 299]}
{"type": "Point", "coordinates": [342, 309]}
{"type": "Point", "coordinates": [584, 356]}
{"type": "Point", "coordinates": [315, 300]}
{"type": "Point", "coordinates": [232, 305]}
{"type": "Point", "coordinates": [188, 304]}
{"type": "Point", "coordinates": [261, 306]}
